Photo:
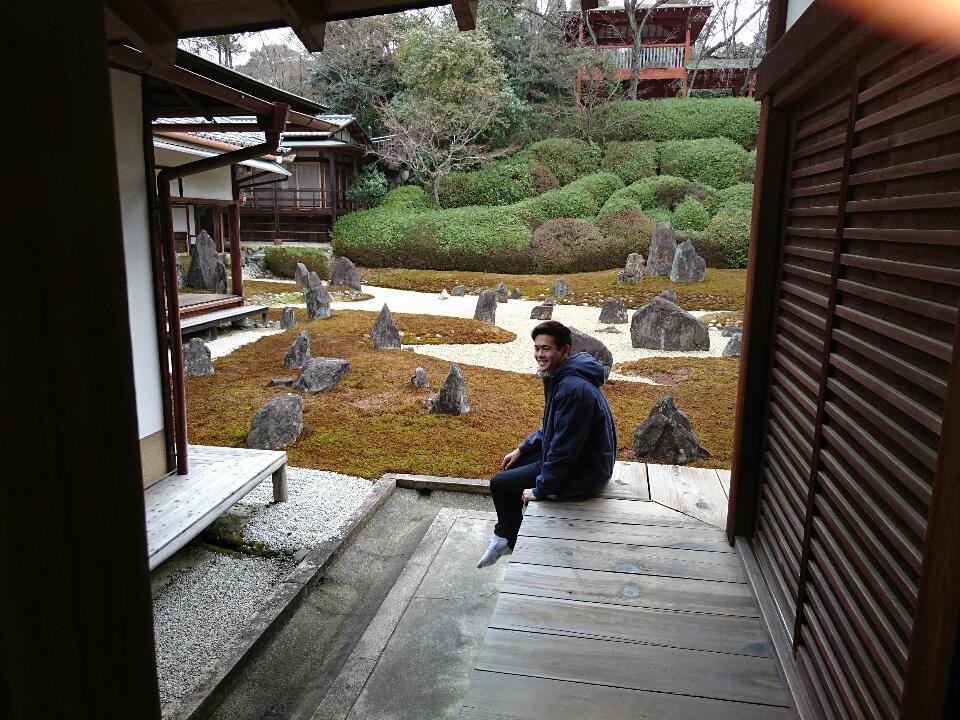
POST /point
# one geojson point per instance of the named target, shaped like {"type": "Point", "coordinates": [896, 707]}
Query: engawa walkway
{"type": "Point", "coordinates": [620, 609]}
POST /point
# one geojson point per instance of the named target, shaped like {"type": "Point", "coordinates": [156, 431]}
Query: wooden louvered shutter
{"type": "Point", "coordinates": [870, 283]}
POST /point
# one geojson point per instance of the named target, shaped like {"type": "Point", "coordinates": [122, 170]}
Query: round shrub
{"type": "Point", "coordinates": [736, 197]}
{"type": "Point", "coordinates": [500, 183]}
{"type": "Point", "coordinates": [369, 186]}
{"type": "Point", "coordinates": [541, 178]}
{"type": "Point", "coordinates": [282, 261]}
{"type": "Point", "coordinates": [750, 171]}
{"type": "Point", "coordinates": [629, 227]}
{"type": "Point", "coordinates": [568, 245]}
{"type": "Point", "coordinates": [665, 192]}
{"type": "Point", "coordinates": [631, 160]}
{"type": "Point", "coordinates": [680, 119]}
{"type": "Point", "coordinates": [407, 197]}
{"type": "Point", "coordinates": [718, 162]}
{"type": "Point", "coordinates": [566, 158]}
{"type": "Point", "coordinates": [659, 215]}
{"type": "Point", "coordinates": [582, 198]}
{"type": "Point", "coordinates": [617, 203]}
{"type": "Point", "coordinates": [690, 215]}
{"type": "Point", "coordinates": [728, 234]}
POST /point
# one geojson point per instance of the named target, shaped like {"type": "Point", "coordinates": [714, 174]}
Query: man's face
{"type": "Point", "coordinates": [548, 356]}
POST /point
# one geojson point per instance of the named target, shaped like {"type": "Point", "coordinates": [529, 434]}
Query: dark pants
{"type": "Point", "coordinates": [507, 488]}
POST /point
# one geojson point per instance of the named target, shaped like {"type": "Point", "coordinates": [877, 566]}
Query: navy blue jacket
{"type": "Point", "coordinates": [578, 439]}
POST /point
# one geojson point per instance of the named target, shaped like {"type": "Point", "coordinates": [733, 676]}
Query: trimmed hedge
{"type": "Point", "coordinates": [663, 192]}
{"type": "Point", "coordinates": [499, 183]}
{"type": "Point", "coordinates": [568, 245]}
{"type": "Point", "coordinates": [680, 119]}
{"type": "Point", "coordinates": [690, 215]}
{"type": "Point", "coordinates": [718, 162]}
{"type": "Point", "coordinates": [407, 197]}
{"type": "Point", "coordinates": [631, 160]}
{"type": "Point", "coordinates": [566, 158]}
{"type": "Point", "coordinates": [629, 227]}
{"type": "Point", "coordinates": [582, 198]}
{"type": "Point", "coordinates": [736, 197]}
{"type": "Point", "coordinates": [282, 261]}
{"type": "Point", "coordinates": [728, 234]}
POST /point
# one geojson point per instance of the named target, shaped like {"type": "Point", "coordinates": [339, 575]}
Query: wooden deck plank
{"type": "Point", "coordinates": [724, 476]}
{"type": "Point", "coordinates": [694, 491]}
{"type": "Point", "coordinates": [650, 591]}
{"type": "Point", "coordinates": [691, 631]}
{"type": "Point", "coordinates": [705, 538]}
{"type": "Point", "coordinates": [629, 482]}
{"type": "Point", "coordinates": [632, 665]}
{"type": "Point", "coordinates": [629, 559]}
{"type": "Point", "coordinates": [612, 510]}
{"type": "Point", "coordinates": [497, 696]}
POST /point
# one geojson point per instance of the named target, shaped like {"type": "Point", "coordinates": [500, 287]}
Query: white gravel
{"type": "Point", "coordinates": [230, 340]}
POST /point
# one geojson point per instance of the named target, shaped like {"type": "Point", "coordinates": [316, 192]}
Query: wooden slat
{"type": "Point", "coordinates": [809, 295]}
{"type": "Point", "coordinates": [791, 388]}
{"type": "Point", "coordinates": [943, 163]}
{"type": "Point", "coordinates": [629, 482]}
{"type": "Point", "coordinates": [817, 169]}
{"type": "Point", "coordinates": [910, 338]}
{"type": "Point", "coordinates": [815, 190]}
{"type": "Point", "coordinates": [822, 124]}
{"type": "Point", "coordinates": [819, 147]}
{"type": "Point", "coordinates": [909, 73]}
{"type": "Point", "coordinates": [818, 321]}
{"type": "Point", "coordinates": [706, 538]}
{"type": "Point", "coordinates": [914, 236]}
{"type": "Point", "coordinates": [805, 272]}
{"type": "Point", "coordinates": [629, 513]}
{"type": "Point", "coordinates": [795, 371]}
{"type": "Point", "coordinates": [693, 491]}
{"type": "Point", "coordinates": [931, 131]}
{"type": "Point", "coordinates": [927, 201]}
{"type": "Point", "coordinates": [817, 211]}
{"type": "Point", "coordinates": [919, 101]}
{"type": "Point", "coordinates": [925, 308]}
{"type": "Point", "coordinates": [823, 233]}
{"type": "Point", "coordinates": [812, 253]}
{"type": "Point", "coordinates": [786, 345]}
{"type": "Point", "coordinates": [916, 375]}
{"type": "Point", "coordinates": [929, 273]}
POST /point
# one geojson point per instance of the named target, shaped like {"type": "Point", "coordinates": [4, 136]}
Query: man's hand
{"type": "Point", "coordinates": [509, 459]}
{"type": "Point", "coordinates": [528, 496]}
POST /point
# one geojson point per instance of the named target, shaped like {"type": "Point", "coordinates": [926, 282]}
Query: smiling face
{"type": "Point", "coordinates": [548, 356]}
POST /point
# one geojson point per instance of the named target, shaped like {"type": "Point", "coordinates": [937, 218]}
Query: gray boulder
{"type": "Point", "coordinates": [344, 274]}
{"type": "Point", "coordinates": [300, 274]}
{"type": "Point", "coordinates": [502, 294]}
{"type": "Point", "coordinates": [196, 358]}
{"type": "Point", "coordinates": [277, 424]}
{"type": "Point", "coordinates": [585, 343]}
{"type": "Point", "coordinates": [542, 312]}
{"type": "Point", "coordinates": [287, 318]}
{"type": "Point", "coordinates": [669, 295]}
{"type": "Point", "coordinates": [299, 352]}
{"type": "Point", "coordinates": [661, 325]}
{"type": "Point", "coordinates": [611, 329]}
{"type": "Point", "coordinates": [633, 270]}
{"type": "Point", "coordinates": [419, 378]}
{"type": "Point", "coordinates": [321, 374]}
{"type": "Point", "coordinates": [667, 437]}
{"type": "Point", "coordinates": [687, 265]}
{"type": "Point", "coordinates": [181, 278]}
{"type": "Point", "coordinates": [207, 271]}
{"type": "Point", "coordinates": [452, 398]}
{"type": "Point", "coordinates": [730, 331]}
{"type": "Point", "coordinates": [458, 291]}
{"type": "Point", "coordinates": [385, 334]}
{"type": "Point", "coordinates": [613, 311]}
{"type": "Point", "coordinates": [515, 294]}
{"type": "Point", "coordinates": [486, 307]}
{"type": "Point", "coordinates": [732, 348]}
{"type": "Point", "coordinates": [316, 297]}
{"type": "Point", "coordinates": [560, 288]}
{"type": "Point", "coordinates": [663, 246]}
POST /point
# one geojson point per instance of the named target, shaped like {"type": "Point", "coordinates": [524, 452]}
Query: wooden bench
{"type": "Point", "coordinates": [180, 507]}
{"type": "Point", "coordinates": [212, 320]}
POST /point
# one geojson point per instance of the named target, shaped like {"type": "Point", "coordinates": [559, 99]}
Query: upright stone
{"type": "Point", "coordinates": [345, 274]}
{"type": "Point", "coordinates": [458, 291]}
{"type": "Point", "coordinates": [385, 334]}
{"type": "Point", "coordinates": [196, 358]}
{"type": "Point", "coordinates": [181, 280]}
{"type": "Point", "coordinates": [663, 246]}
{"type": "Point", "coordinates": [486, 307]}
{"type": "Point", "coordinates": [666, 436]}
{"type": "Point", "coordinates": [633, 270]}
{"type": "Point", "coordinates": [300, 274]}
{"type": "Point", "coordinates": [515, 294]}
{"type": "Point", "coordinates": [687, 265]}
{"type": "Point", "coordinates": [560, 288]}
{"type": "Point", "coordinates": [444, 295]}
{"type": "Point", "coordinates": [502, 293]}
{"type": "Point", "coordinates": [732, 348]}
{"type": "Point", "coordinates": [600, 352]}
{"type": "Point", "coordinates": [207, 271]}
{"type": "Point", "coordinates": [452, 398]}
{"type": "Point", "coordinates": [298, 352]}
{"type": "Point", "coordinates": [277, 424]}
{"type": "Point", "coordinates": [542, 312]}
{"type": "Point", "coordinates": [321, 374]}
{"type": "Point", "coordinates": [669, 295]}
{"type": "Point", "coordinates": [661, 325]}
{"type": "Point", "coordinates": [613, 311]}
{"type": "Point", "coordinates": [287, 318]}
{"type": "Point", "coordinates": [419, 378]}
{"type": "Point", "coordinates": [316, 297]}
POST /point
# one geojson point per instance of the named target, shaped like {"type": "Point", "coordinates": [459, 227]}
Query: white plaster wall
{"type": "Point", "coordinates": [795, 9]}
{"type": "Point", "coordinates": [128, 131]}
{"type": "Point", "coordinates": [214, 184]}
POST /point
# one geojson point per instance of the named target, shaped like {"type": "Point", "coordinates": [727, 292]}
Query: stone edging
{"type": "Point", "coordinates": [427, 482]}
{"type": "Point", "coordinates": [276, 609]}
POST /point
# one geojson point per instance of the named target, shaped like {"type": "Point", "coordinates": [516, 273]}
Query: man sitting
{"type": "Point", "coordinates": [572, 455]}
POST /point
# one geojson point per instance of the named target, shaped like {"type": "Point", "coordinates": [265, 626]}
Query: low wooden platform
{"type": "Point", "coordinates": [179, 507]}
{"type": "Point", "coordinates": [213, 319]}
{"type": "Point", "coordinates": [621, 609]}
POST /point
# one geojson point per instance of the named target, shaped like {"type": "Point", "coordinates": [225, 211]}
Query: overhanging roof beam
{"type": "Point", "coordinates": [185, 96]}
{"type": "Point", "coordinates": [465, 11]}
{"type": "Point", "coordinates": [308, 20]}
{"type": "Point", "coordinates": [140, 23]}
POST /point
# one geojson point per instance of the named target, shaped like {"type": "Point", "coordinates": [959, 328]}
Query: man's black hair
{"type": "Point", "coordinates": [558, 331]}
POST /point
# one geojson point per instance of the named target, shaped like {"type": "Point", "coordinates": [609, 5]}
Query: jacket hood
{"type": "Point", "coordinates": [584, 365]}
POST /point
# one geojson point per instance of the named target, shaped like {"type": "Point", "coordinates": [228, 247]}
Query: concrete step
{"type": "Point", "coordinates": [415, 659]}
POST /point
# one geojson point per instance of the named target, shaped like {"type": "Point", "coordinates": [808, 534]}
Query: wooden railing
{"type": "Point", "coordinates": [653, 56]}
{"type": "Point", "coordinates": [306, 199]}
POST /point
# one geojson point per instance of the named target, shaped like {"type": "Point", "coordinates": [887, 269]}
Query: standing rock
{"type": "Point", "coordinates": [287, 318]}
{"type": "Point", "coordinates": [730, 331]}
{"type": "Point", "coordinates": [687, 265]}
{"type": "Point", "coordinates": [502, 294]}
{"type": "Point", "coordinates": [613, 311]}
{"type": "Point", "coordinates": [732, 348]}
{"type": "Point", "coordinates": [277, 424]}
{"type": "Point", "coordinates": [585, 343]}
{"type": "Point", "coordinates": [419, 378]}
{"type": "Point", "coordinates": [444, 295]}
{"type": "Point", "coordinates": [207, 271]}
{"type": "Point", "coordinates": [633, 270]}
{"type": "Point", "coordinates": [321, 374]}
{"type": "Point", "coordinates": [196, 358]}
{"type": "Point", "coordinates": [317, 298]}
{"type": "Point", "coordinates": [345, 274]}
{"type": "Point", "coordinates": [181, 280]}
{"type": "Point", "coordinates": [486, 307]}
{"type": "Point", "coordinates": [300, 274]}
{"type": "Point", "coordinates": [667, 437]}
{"type": "Point", "coordinates": [663, 246]}
{"type": "Point", "coordinates": [515, 294]}
{"type": "Point", "coordinates": [452, 398]}
{"type": "Point", "coordinates": [299, 352]}
{"type": "Point", "coordinates": [458, 291]}
{"type": "Point", "coordinates": [560, 288]}
{"type": "Point", "coordinates": [661, 325]}
{"type": "Point", "coordinates": [385, 334]}
{"type": "Point", "coordinates": [669, 295]}
{"type": "Point", "coordinates": [542, 312]}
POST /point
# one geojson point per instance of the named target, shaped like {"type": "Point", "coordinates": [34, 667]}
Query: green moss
{"type": "Point", "coordinates": [282, 261]}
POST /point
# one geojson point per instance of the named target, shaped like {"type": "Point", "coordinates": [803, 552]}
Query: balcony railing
{"type": "Point", "coordinates": [654, 56]}
{"type": "Point", "coordinates": [302, 199]}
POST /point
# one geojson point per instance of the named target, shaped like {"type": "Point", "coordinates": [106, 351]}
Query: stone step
{"type": "Point", "coordinates": [415, 658]}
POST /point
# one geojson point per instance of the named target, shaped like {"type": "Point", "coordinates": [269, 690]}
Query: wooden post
{"type": "Point", "coordinates": [236, 263]}
{"type": "Point", "coordinates": [686, 58]}
{"type": "Point", "coordinates": [335, 186]}
{"type": "Point", "coordinates": [276, 218]}
{"type": "Point", "coordinates": [280, 484]}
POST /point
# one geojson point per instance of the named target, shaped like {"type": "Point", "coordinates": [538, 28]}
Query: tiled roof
{"type": "Point", "coordinates": [246, 139]}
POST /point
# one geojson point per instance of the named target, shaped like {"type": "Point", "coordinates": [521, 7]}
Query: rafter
{"type": "Point", "coordinates": [141, 25]}
{"type": "Point", "coordinates": [308, 20]}
{"type": "Point", "coordinates": [466, 13]}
